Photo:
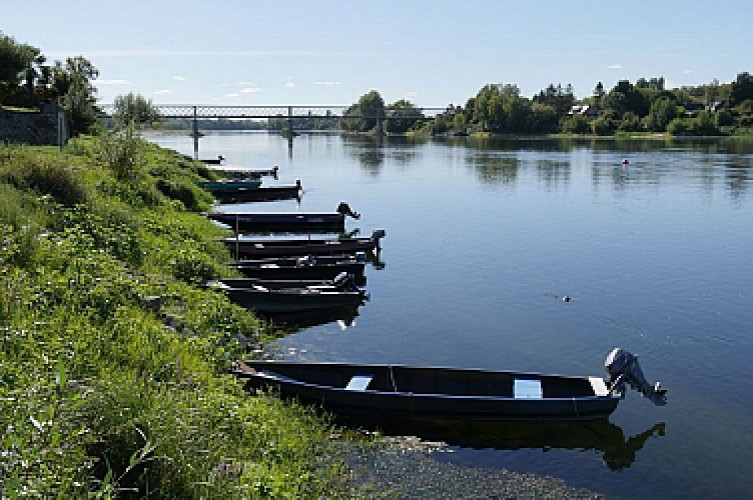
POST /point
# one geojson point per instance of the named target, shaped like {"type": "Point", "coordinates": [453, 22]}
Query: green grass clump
{"type": "Point", "coordinates": [113, 374]}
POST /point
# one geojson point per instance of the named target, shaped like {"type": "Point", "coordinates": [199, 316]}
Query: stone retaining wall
{"type": "Point", "coordinates": [38, 129]}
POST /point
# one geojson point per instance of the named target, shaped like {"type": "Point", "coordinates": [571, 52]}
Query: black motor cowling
{"type": "Point", "coordinates": [344, 209]}
{"type": "Point", "coordinates": [623, 369]}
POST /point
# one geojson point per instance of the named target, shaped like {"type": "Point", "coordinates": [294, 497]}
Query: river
{"type": "Point", "coordinates": [484, 239]}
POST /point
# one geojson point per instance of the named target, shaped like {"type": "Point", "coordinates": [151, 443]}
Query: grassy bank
{"type": "Point", "coordinates": [113, 370]}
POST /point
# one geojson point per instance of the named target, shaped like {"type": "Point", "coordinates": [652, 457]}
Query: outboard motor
{"type": "Point", "coordinates": [344, 208]}
{"type": "Point", "coordinates": [344, 282]}
{"type": "Point", "coordinates": [624, 369]}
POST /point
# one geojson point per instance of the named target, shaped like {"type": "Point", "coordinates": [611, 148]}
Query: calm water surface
{"type": "Point", "coordinates": [483, 240]}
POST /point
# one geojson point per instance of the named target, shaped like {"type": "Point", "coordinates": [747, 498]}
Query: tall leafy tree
{"type": "Point", "coordinates": [363, 116]}
{"type": "Point", "coordinates": [136, 109]}
{"type": "Point", "coordinates": [742, 88]}
{"type": "Point", "coordinates": [624, 97]}
{"type": "Point", "coordinates": [403, 116]}
{"type": "Point", "coordinates": [73, 82]}
{"type": "Point", "coordinates": [662, 112]}
{"type": "Point", "coordinates": [15, 59]}
{"type": "Point", "coordinates": [18, 61]}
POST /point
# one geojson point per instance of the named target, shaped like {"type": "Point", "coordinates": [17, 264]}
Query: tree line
{"type": "Point", "coordinates": [645, 106]}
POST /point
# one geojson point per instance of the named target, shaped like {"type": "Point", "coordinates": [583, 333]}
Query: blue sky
{"type": "Point", "coordinates": [433, 53]}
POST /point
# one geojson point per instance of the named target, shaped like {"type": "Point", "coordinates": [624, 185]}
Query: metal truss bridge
{"type": "Point", "coordinates": [286, 112]}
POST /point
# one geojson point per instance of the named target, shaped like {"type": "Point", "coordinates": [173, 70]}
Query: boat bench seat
{"type": "Point", "coordinates": [527, 389]}
{"type": "Point", "coordinates": [359, 382]}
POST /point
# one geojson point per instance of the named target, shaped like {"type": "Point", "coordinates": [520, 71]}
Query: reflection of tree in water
{"type": "Point", "coordinates": [603, 436]}
{"type": "Point", "coordinates": [553, 173]}
{"type": "Point", "coordinates": [738, 179]}
{"type": "Point", "coordinates": [492, 169]}
{"type": "Point", "coordinates": [371, 159]}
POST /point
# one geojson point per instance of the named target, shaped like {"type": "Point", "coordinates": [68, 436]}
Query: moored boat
{"type": "Point", "coordinates": [214, 161]}
{"type": "Point", "coordinates": [230, 184]}
{"type": "Point", "coordinates": [451, 392]}
{"type": "Point", "coordinates": [286, 221]}
{"type": "Point", "coordinates": [302, 268]}
{"type": "Point", "coordinates": [259, 248]}
{"type": "Point", "coordinates": [239, 172]}
{"type": "Point", "coordinates": [340, 292]}
{"type": "Point", "coordinates": [261, 193]}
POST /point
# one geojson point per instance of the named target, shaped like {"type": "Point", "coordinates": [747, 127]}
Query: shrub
{"type": "Point", "coordinates": [45, 175]}
{"type": "Point", "coordinates": [122, 152]}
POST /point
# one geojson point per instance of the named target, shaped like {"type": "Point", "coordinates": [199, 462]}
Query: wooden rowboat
{"type": "Point", "coordinates": [451, 392]}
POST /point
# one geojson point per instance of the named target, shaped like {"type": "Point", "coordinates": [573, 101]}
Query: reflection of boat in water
{"type": "Point", "coordinates": [617, 450]}
{"type": "Point", "coordinates": [292, 322]}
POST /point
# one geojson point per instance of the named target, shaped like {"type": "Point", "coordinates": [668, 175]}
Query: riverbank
{"type": "Point", "coordinates": [114, 370]}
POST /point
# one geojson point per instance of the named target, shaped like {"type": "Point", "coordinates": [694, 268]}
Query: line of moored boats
{"type": "Point", "coordinates": [290, 274]}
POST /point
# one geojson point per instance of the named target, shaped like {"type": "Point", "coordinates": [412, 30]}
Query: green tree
{"type": "Point", "coordinates": [136, 109]}
{"type": "Point", "coordinates": [742, 88]}
{"type": "Point", "coordinates": [561, 99]}
{"type": "Point", "coordinates": [543, 119]}
{"type": "Point", "coordinates": [403, 115]}
{"type": "Point", "coordinates": [73, 82]}
{"type": "Point", "coordinates": [630, 122]}
{"type": "Point", "coordinates": [18, 62]}
{"type": "Point", "coordinates": [624, 97]}
{"type": "Point", "coordinates": [575, 124]}
{"type": "Point", "coordinates": [662, 112]}
{"type": "Point", "coordinates": [363, 116]}
{"type": "Point", "coordinates": [499, 108]}
{"type": "Point", "coordinates": [15, 59]}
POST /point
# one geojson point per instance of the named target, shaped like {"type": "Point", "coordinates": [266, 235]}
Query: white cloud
{"type": "Point", "coordinates": [250, 90]}
{"type": "Point", "coordinates": [687, 71]}
{"type": "Point", "coordinates": [411, 94]}
{"type": "Point", "coordinates": [328, 84]}
{"type": "Point", "coordinates": [615, 66]}
{"type": "Point", "coordinates": [113, 82]}
{"type": "Point", "coordinates": [162, 92]}
{"type": "Point", "coordinates": [179, 78]}
{"type": "Point", "coordinates": [290, 85]}
{"type": "Point", "coordinates": [232, 95]}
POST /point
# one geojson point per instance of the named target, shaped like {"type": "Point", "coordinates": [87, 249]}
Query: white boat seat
{"type": "Point", "coordinates": [359, 382]}
{"type": "Point", "coordinates": [527, 389]}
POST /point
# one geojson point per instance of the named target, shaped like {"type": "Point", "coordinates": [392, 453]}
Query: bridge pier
{"type": "Point", "coordinates": [195, 134]}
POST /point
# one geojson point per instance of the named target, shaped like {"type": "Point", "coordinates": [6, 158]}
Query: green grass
{"type": "Point", "coordinates": [113, 374]}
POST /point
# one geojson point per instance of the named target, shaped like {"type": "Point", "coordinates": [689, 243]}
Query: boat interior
{"type": "Point", "coordinates": [440, 381]}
